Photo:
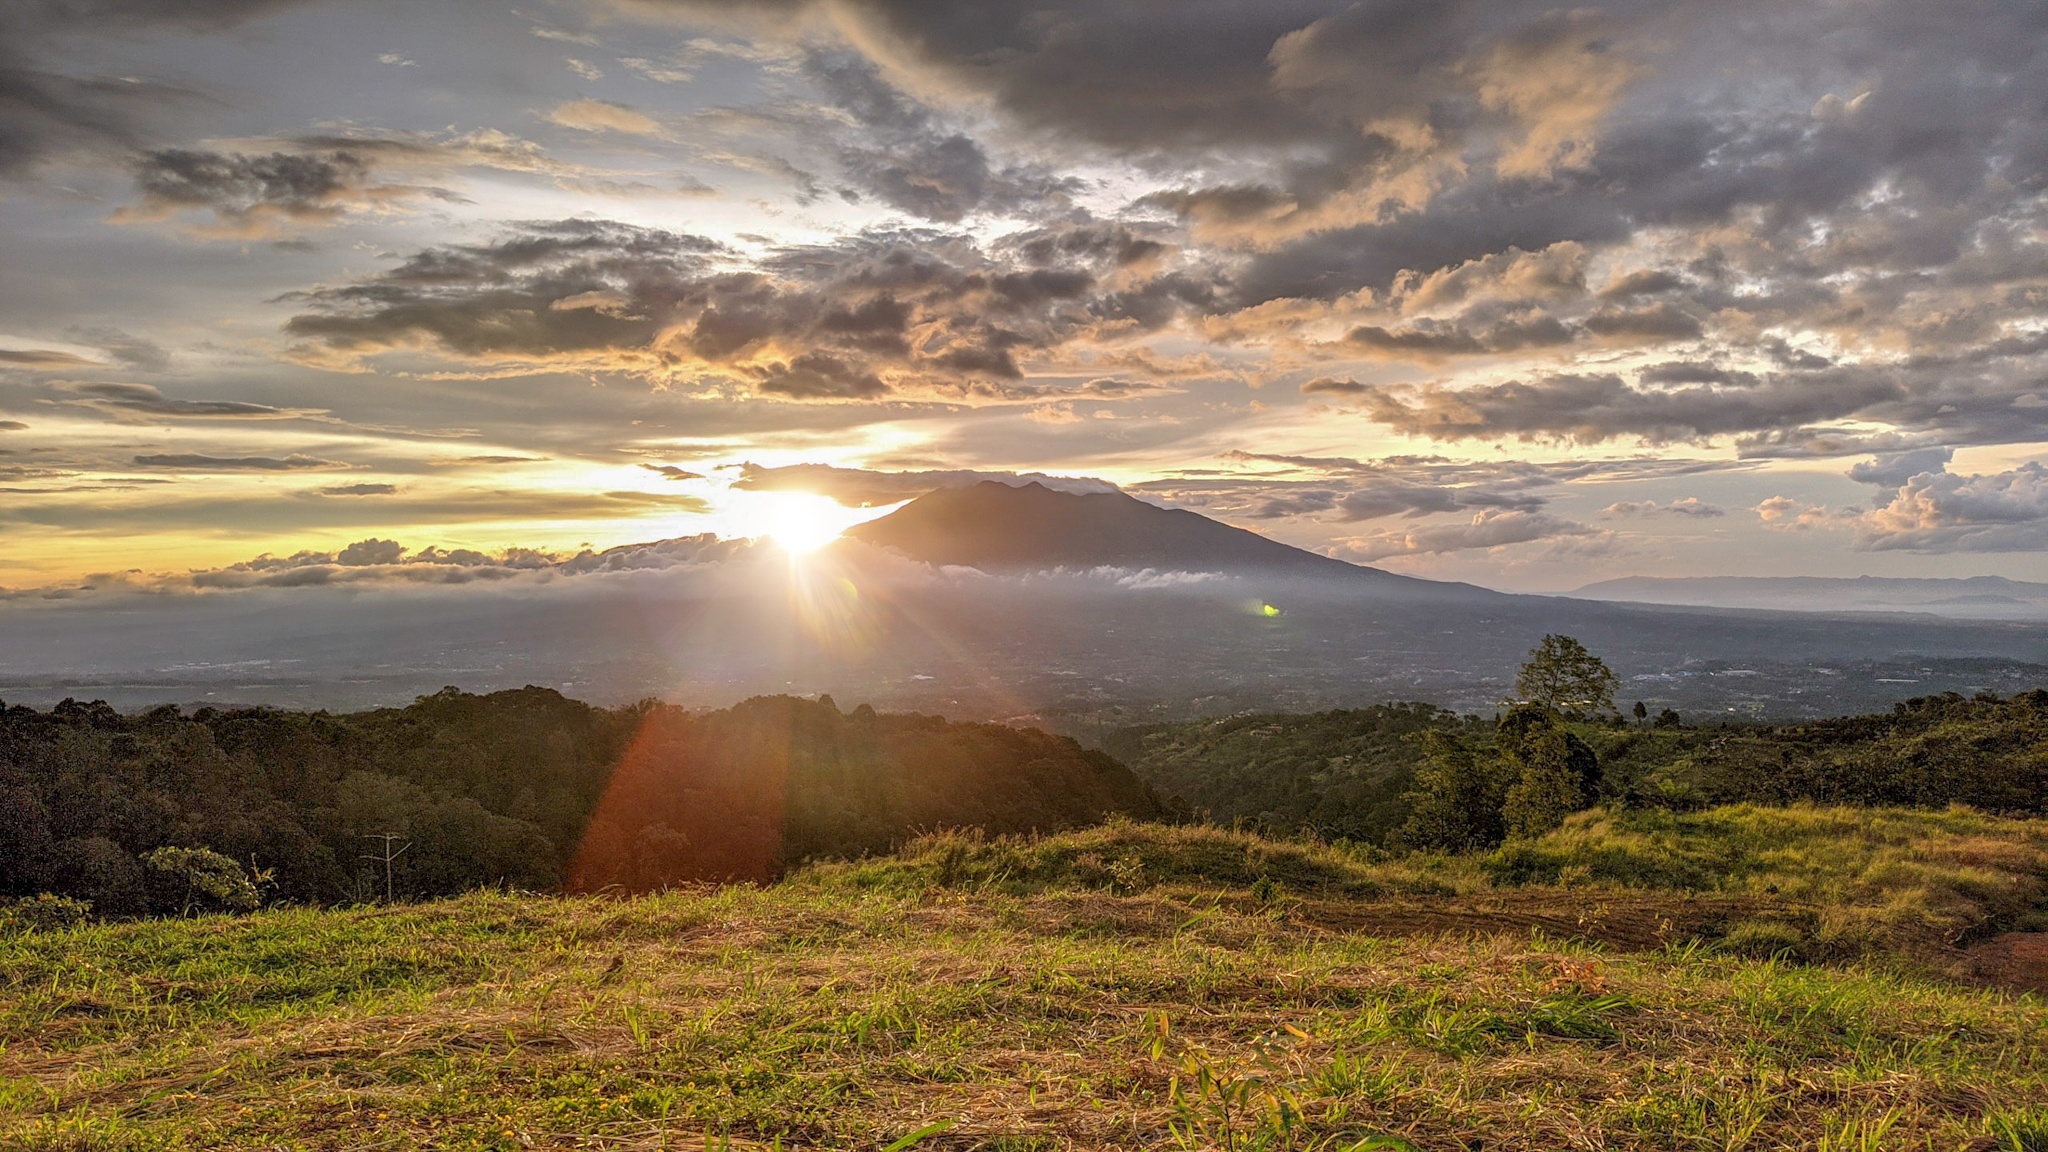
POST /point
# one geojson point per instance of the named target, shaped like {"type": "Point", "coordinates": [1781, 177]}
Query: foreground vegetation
{"type": "Point", "coordinates": [1351, 774]}
{"type": "Point", "coordinates": [526, 789]}
{"type": "Point", "coordinates": [1738, 977]}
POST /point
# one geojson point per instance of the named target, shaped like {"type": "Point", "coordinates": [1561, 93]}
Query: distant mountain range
{"type": "Point", "coordinates": [1089, 611]}
{"type": "Point", "coordinates": [1976, 597]}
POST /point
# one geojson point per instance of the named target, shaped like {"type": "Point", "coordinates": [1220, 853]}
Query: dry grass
{"type": "Point", "coordinates": [1012, 1007]}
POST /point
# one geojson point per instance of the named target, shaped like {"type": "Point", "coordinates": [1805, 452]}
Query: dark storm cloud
{"type": "Point", "coordinates": [199, 462]}
{"type": "Point", "coordinates": [868, 315]}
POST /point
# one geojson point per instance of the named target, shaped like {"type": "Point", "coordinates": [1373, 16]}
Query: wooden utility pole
{"type": "Point", "coordinates": [388, 855]}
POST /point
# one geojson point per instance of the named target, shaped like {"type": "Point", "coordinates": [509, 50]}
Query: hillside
{"type": "Point", "coordinates": [523, 788]}
{"type": "Point", "coordinates": [1340, 774]}
{"type": "Point", "coordinates": [744, 793]}
{"type": "Point", "coordinates": [1127, 986]}
{"type": "Point", "coordinates": [1344, 774]}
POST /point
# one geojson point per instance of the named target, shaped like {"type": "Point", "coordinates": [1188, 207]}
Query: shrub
{"type": "Point", "coordinates": [43, 913]}
{"type": "Point", "coordinates": [198, 879]}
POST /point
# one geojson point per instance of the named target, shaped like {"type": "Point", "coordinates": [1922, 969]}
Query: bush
{"type": "Point", "coordinates": [43, 913]}
{"type": "Point", "coordinates": [187, 880]}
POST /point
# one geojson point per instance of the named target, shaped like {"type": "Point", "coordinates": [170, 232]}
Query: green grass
{"type": "Point", "coordinates": [1124, 987]}
{"type": "Point", "coordinates": [1884, 878]}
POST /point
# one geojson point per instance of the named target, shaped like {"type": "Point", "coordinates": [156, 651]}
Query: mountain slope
{"type": "Point", "coordinates": [998, 527]}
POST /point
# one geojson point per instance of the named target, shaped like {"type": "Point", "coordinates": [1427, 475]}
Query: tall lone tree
{"type": "Point", "coordinates": [1563, 676]}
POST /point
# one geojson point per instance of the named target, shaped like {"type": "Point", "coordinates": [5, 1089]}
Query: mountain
{"type": "Point", "coordinates": [999, 527]}
{"type": "Point", "coordinates": [1071, 610]}
{"type": "Point", "coordinates": [1991, 597]}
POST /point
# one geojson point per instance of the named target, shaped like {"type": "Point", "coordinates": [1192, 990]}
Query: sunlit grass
{"type": "Point", "coordinates": [1127, 986]}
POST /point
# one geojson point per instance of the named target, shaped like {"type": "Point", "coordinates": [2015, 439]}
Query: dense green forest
{"type": "Point", "coordinates": [1352, 774]}
{"type": "Point", "coordinates": [166, 812]}
{"type": "Point", "coordinates": [1342, 775]}
{"type": "Point", "coordinates": [499, 790]}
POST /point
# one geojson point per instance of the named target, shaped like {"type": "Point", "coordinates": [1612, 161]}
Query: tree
{"type": "Point", "coordinates": [1530, 736]}
{"type": "Point", "coordinates": [1457, 798]}
{"type": "Point", "coordinates": [1535, 774]}
{"type": "Point", "coordinates": [1563, 676]}
{"type": "Point", "coordinates": [1642, 711]}
{"type": "Point", "coordinates": [1547, 788]}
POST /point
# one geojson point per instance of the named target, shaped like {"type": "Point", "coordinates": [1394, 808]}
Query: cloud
{"type": "Point", "coordinates": [144, 401]}
{"type": "Point", "coordinates": [1382, 496]}
{"type": "Point", "coordinates": [256, 195]}
{"type": "Point", "coordinates": [360, 490]}
{"type": "Point", "coordinates": [12, 426]}
{"type": "Point", "coordinates": [43, 359]}
{"type": "Point", "coordinates": [1334, 386]}
{"type": "Point", "coordinates": [1430, 340]}
{"type": "Point", "coordinates": [196, 462]}
{"type": "Point", "coordinates": [873, 314]}
{"type": "Point", "coordinates": [1592, 408]}
{"type": "Point", "coordinates": [1785, 514]}
{"type": "Point", "coordinates": [1895, 469]}
{"type": "Point", "coordinates": [1689, 506]}
{"type": "Point", "coordinates": [672, 472]}
{"type": "Point", "coordinates": [131, 351]}
{"type": "Point", "coordinates": [1934, 510]}
{"type": "Point", "coordinates": [378, 561]}
{"type": "Point", "coordinates": [587, 115]}
{"type": "Point", "coordinates": [48, 115]}
{"type": "Point", "coordinates": [861, 487]}
{"type": "Point", "coordinates": [1486, 529]}
{"type": "Point", "coordinates": [907, 157]}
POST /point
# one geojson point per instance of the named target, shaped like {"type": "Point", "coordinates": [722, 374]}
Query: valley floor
{"type": "Point", "coordinates": [1124, 987]}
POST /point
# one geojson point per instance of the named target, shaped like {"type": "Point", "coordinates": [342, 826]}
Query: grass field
{"type": "Point", "coordinates": [1631, 981]}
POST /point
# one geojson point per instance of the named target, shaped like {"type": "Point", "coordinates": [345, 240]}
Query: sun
{"type": "Point", "coordinates": [798, 521]}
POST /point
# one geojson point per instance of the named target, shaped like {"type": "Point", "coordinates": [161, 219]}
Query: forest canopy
{"type": "Point", "coordinates": [499, 790]}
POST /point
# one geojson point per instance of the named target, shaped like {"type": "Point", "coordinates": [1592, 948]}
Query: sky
{"type": "Point", "coordinates": [1486, 290]}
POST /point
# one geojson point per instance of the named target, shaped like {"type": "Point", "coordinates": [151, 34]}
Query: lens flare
{"type": "Point", "coordinates": [799, 521]}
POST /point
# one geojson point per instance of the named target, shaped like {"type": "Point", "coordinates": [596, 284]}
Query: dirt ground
{"type": "Point", "coordinates": [2017, 960]}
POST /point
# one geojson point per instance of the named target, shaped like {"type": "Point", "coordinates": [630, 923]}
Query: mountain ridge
{"type": "Point", "coordinates": [1966, 595]}
{"type": "Point", "coordinates": [995, 526]}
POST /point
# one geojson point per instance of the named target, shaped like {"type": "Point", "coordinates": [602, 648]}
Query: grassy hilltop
{"type": "Point", "coordinates": [1737, 977]}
